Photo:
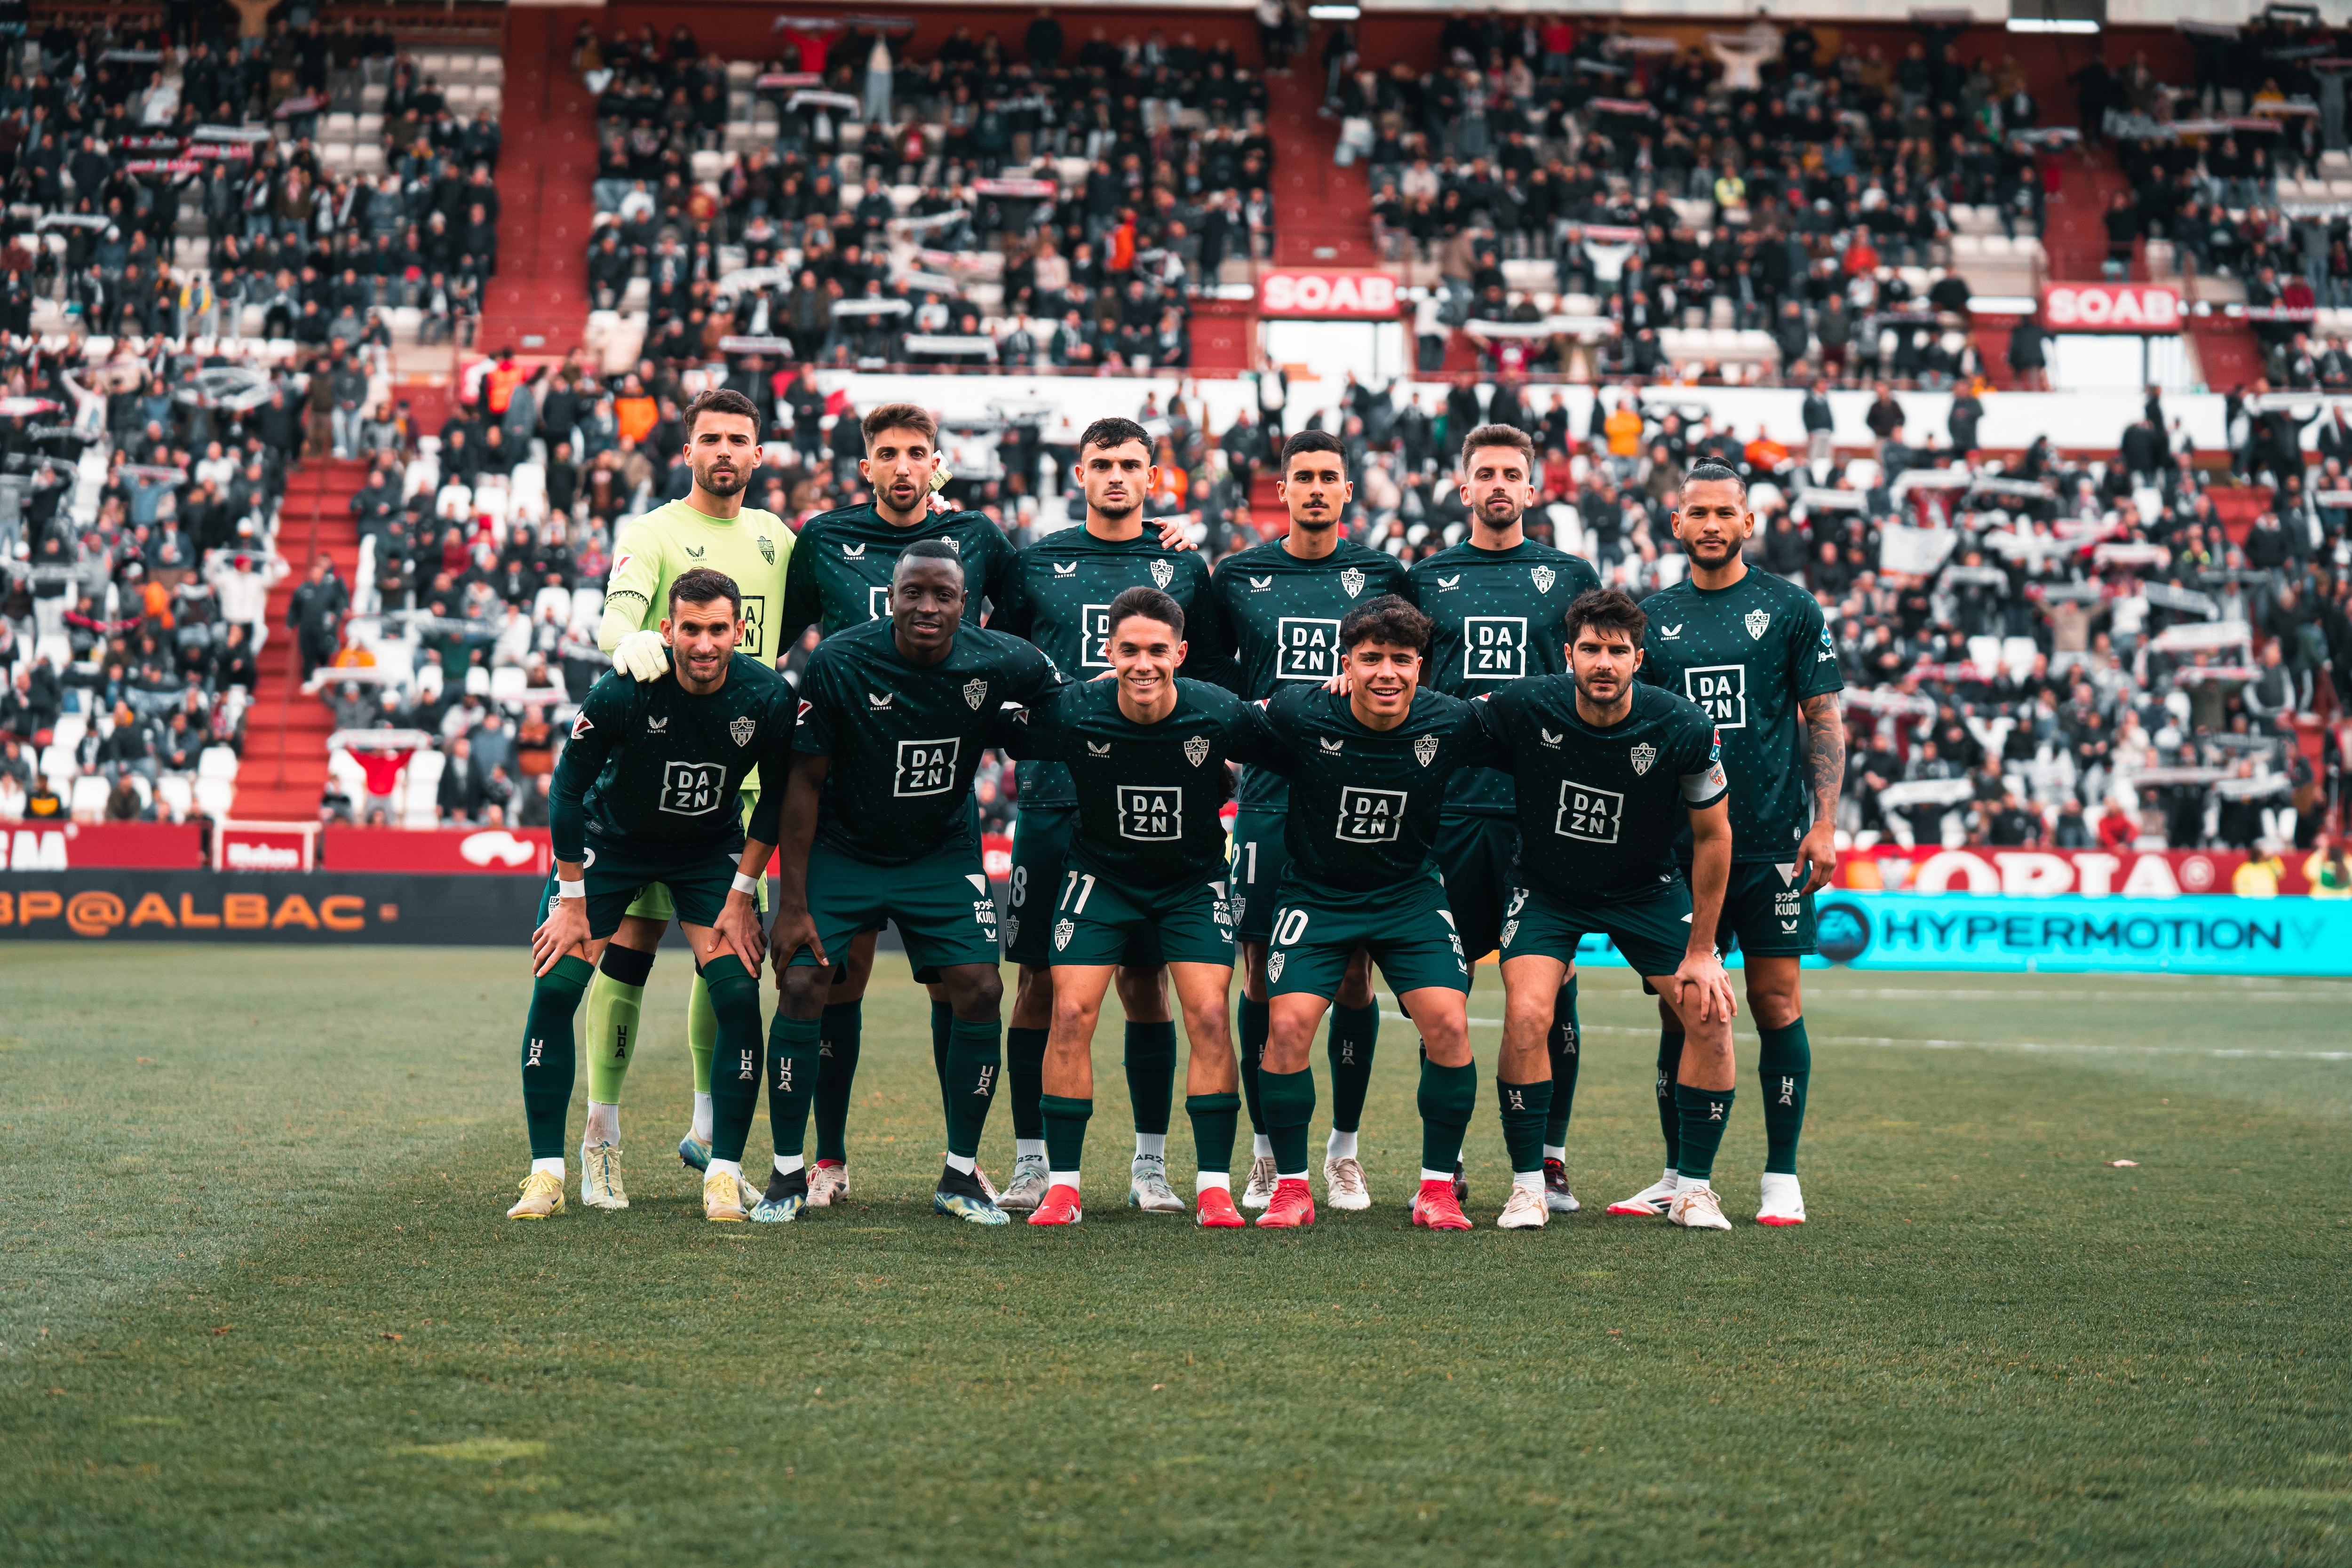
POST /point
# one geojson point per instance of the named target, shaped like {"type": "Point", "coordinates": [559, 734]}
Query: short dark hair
{"type": "Point", "coordinates": [1388, 619]}
{"type": "Point", "coordinates": [1115, 433]}
{"type": "Point", "coordinates": [721, 400]}
{"type": "Point", "coordinates": [1150, 604]}
{"type": "Point", "coordinates": [929, 550]}
{"type": "Point", "coordinates": [1608, 610]}
{"type": "Point", "coordinates": [900, 416]}
{"type": "Point", "coordinates": [701, 585]}
{"type": "Point", "coordinates": [1312, 441]}
{"type": "Point", "coordinates": [1705, 473]}
{"type": "Point", "coordinates": [1509, 436]}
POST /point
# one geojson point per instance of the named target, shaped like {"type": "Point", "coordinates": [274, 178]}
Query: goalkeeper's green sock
{"type": "Point", "coordinates": [615, 1004]}
{"type": "Point", "coordinates": [702, 1041]}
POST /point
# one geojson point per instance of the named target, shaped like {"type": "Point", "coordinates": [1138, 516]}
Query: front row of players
{"type": "Point", "coordinates": [877, 756]}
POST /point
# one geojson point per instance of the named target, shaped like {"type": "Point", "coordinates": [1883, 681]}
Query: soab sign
{"type": "Point", "coordinates": [1357, 296]}
{"type": "Point", "coordinates": [2110, 307]}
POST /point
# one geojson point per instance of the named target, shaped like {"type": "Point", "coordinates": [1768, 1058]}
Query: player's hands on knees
{"type": "Point", "coordinates": [565, 928]}
{"type": "Point", "coordinates": [1819, 848]}
{"type": "Point", "coordinates": [1703, 973]}
{"type": "Point", "coordinates": [795, 929]}
{"type": "Point", "coordinates": [737, 931]}
{"type": "Point", "coordinates": [641, 655]}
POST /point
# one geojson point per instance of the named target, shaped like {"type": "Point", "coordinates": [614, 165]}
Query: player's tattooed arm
{"type": "Point", "coordinates": [1825, 772]}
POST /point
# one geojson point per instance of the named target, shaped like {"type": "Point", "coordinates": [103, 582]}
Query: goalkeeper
{"type": "Point", "coordinates": [710, 528]}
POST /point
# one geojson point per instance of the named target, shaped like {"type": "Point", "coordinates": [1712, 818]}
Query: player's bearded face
{"type": "Point", "coordinates": [1602, 663]}
{"type": "Point", "coordinates": [702, 639]}
{"type": "Point", "coordinates": [1316, 491]}
{"type": "Point", "coordinates": [1714, 522]}
{"type": "Point", "coordinates": [1384, 676]}
{"type": "Point", "coordinates": [1497, 487]}
{"type": "Point", "coordinates": [1116, 480]}
{"type": "Point", "coordinates": [723, 452]}
{"type": "Point", "coordinates": [899, 466]}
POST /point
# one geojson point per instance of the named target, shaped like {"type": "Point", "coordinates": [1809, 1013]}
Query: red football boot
{"type": "Point", "coordinates": [1435, 1206]}
{"type": "Point", "coordinates": [1060, 1205]}
{"type": "Point", "coordinates": [1214, 1210]}
{"type": "Point", "coordinates": [1293, 1207]}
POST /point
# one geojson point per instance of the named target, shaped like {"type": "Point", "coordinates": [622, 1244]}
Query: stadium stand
{"type": "Point", "coordinates": [1605, 234]}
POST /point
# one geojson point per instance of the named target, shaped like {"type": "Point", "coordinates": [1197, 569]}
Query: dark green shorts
{"type": "Point", "coordinates": [1041, 844]}
{"type": "Point", "coordinates": [1474, 854]}
{"type": "Point", "coordinates": [1098, 920]}
{"type": "Point", "coordinates": [1259, 864]}
{"type": "Point", "coordinates": [1652, 931]}
{"type": "Point", "coordinates": [653, 902]}
{"type": "Point", "coordinates": [1767, 912]}
{"type": "Point", "coordinates": [698, 879]}
{"type": "Point", "coordinates": [942, 905]}
{"type": "Point", "coordinates": [1407, 929]}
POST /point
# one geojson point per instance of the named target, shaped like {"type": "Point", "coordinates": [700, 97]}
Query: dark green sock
{"type": "Point", "coordinates": [550, 1057]}
{"type": "Point", "coordinates": [796, 1065]}
{"type": "Point", "coordinates": [1525, 1107]}
{"type": "Point", "coordinates": [1252, 1017]}
{"type": "Point", "coordinates": [1288, 1101]}
{"type": "Point", "coordinates": [1565, 1045]}
{"type": "Point", "coordinates": [1355, 1031]}
{"type": "Point", "coordinates": [942, 1025]}
{"type": "Point", "coordinates": [838, 1035]}
{"type": "Point", "coordinates": [1066, 1129]}
{"type": "Point", "coordinates": [1151, 1074]}
{"type": "Point", "coordinates": [1784, 1063]}
{"type": "Point", "coordinates": [1706, 1112]}
{"type": "Point", "coordinates": [974, 1057]}
{"type": "Point", "coordinates": [1670, 1066]}
{"type": "Point", "coordinates": [1216, 1119]}
{"type": "Point", "coordinates": [1025, 1080]}
{"type": "Point", "coordinates": [740, 1060]}
{"type": "Point", "coordinates": [1447, 1097]}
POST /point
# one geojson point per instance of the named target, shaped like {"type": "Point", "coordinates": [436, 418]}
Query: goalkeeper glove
{"type": "Point", "coordinates": [641, 655]}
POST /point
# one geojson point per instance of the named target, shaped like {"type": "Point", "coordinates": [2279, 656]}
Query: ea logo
{"type": "Point", "coordinates": [1842, 929]}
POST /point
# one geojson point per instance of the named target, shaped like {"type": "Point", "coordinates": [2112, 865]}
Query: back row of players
{"type": "Point", "coordinates": [1659, 773]}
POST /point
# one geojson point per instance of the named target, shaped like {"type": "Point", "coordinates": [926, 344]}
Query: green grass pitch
{"type": "Point", "coordinates": [257, 1304]}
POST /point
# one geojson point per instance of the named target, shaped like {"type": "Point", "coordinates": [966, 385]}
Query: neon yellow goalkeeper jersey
{"type": "Point", "coordinates": [655, 549]}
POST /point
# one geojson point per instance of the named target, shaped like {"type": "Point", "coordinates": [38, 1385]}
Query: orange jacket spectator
{"type": "Point", "coordinates": [498, 387]}
{"type": "Point", "coordinates": [1123, 247]}
{"type": "Point", "coordinates": [1765, 454]}
{"type": "Point", "coordinates": [1624, 429]}
{"type": "Point", "coordinates": [636, 415]}
{"type": "Point", "coordinates": [155, 602]}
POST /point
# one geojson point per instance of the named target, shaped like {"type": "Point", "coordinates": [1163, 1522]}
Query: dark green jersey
{"type": "Point", "coordinates": [650, 761]}
{"type": "Point", "coordinates": [905, 739]}
{"type": "Point", "coordinates": [1058, 595]}
{"type": "Point", "coordinates": [1499, 616]}
{"type": "Point", "coordinates": [839, 574]}
{"type": "Point", "coordinates": [1278, 617]}
{"type": "Point", "coordinates": [1364, 803]}
{"type": "Point", "coordinates": [1748, 655]}
{"type": "Point", "coordinates": [1148, 796]}
{"type": "Point", "coordinates": [1599, 809]}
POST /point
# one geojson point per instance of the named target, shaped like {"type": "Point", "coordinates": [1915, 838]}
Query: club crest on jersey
{"type": "Point", "coordinates": [1641, 756]}
{"type": "Point", "coordinates": [953, 542]}
{"type": "Point", "coordinates": [798, 714]}
{"type": "Point", "coordinates": [581, 726]}
{"type": "Point", "coordinates": [1162, 573]}
{"type": "Point", "coordinates": [741, 730]}
{"type": "Point", "coordinates": [1351, 580]}
{"type": "Point", "coordinates": [975, 692]}
{"type": "Point", "coordinates": [1757, 621]}
{"type": "Point", "coordinates": [1062, 569]}
{"type": "Point", "coordinates": [1544, 577]}
{"type": "Point", "coordinates": [1196, 750]}
{"type": "Point", "coordinates": [1425, 749]}
{"type": "Point", "coordinates": [1273, 965]}
{"type": "Point", "coordinates": [853, 553]}
{"type": "Point", "coordinates": [1063, 931]}
{"type": "Point", "coordinates": [767, 550]}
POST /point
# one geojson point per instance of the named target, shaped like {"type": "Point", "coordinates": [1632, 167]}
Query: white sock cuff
{"type": "Point", "coordinates": [1221, 1180]}
{"type": "Point", "coordinates": [1289, 1175]}
{"type": "Point", "coordinates": [1339, 1145]}
{"type": "Point", "coordinates": [1151, 1144]}
{"type": "Point", "coordinates": [1261, 1146]}
{"type": "Point", "coordinates": [1556, 1152]}
{"type": "Point", "coordinates": [1428, 1175]}
{"type": "Point", "coordinates": [726, 1168]}
{"type": "Point", "coordinates": [1063, 1178]}
{"type": "Point", "coordinates": [552, 1167]}
{"type": "Point", "coordinates": [1028, 1148]}
{"type": "Point", "coordinates": [961, 1164]}
{"type": "Point", "coordinates": [1531, 1180]}
{"type": "Point", "coordinates": [787, 1163]}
